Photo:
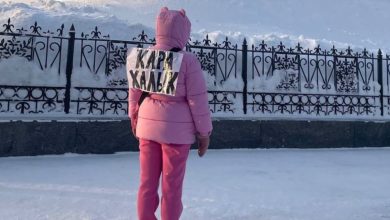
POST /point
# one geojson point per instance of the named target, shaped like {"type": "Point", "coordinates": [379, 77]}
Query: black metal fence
{"type": "Point", "coordinates": [246, 80]}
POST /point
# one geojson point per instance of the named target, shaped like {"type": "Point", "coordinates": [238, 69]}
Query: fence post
{"type": "Point", "coordinates": [244, 74]}
{"type": "Point", "coordinates": [69, 67]}
{"type": "Point", "coordinates": [380, 79]}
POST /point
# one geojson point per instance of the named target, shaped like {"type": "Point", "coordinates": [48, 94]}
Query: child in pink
{"type": "Point", "coordinates": [166, 126]}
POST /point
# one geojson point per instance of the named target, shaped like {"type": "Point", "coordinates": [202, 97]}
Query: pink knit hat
{"type": "Point", "coordinates": [172, 28]}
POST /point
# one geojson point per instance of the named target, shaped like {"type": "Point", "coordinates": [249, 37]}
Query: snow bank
{"type": "Point", "coordinates": [18, 71]}
{"type": "Point", "coordinates": [256, 21]}
{"type": "Point", "coordinates": [51, 14]}
{"type": "Point", "coordinates": [311, 22]}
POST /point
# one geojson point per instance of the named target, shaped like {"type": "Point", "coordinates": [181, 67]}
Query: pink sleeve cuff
{"type": "Point", "coordinates": [205, 134]}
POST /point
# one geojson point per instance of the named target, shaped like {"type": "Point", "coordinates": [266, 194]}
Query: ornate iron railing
{"type": "Point", "coordinates": [31, 99]}
{"type": "Point", "coordinates": [256, 80]}
{"type": "Point", "coordinates": [101, 101]}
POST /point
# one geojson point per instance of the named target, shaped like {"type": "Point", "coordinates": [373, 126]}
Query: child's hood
{"type": "Point", "coordinates": [172, 28]}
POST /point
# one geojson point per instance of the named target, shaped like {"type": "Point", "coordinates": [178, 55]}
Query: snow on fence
{"type": "Point", "coordinates": [54, 73]}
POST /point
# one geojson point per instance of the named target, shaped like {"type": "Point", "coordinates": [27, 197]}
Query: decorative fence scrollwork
{"type": "Point", "coordinates": [247, 80]}
{"type": "Point", "coordinates": [220, 63]}
{"type": "Point", "coordinates": [31, 99]}
{"type": "Point", "coordinates": [101, 101]}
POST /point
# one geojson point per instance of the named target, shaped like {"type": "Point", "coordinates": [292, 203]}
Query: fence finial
{"type": "Point", "coordinates": [72, 29]}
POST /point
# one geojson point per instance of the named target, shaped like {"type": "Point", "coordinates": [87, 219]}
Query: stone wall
{"type": "Point", "coordinates": [20, 138]}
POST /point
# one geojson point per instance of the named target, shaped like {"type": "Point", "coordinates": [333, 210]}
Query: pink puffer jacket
{"type": "Point", "coordinates": [174, 119]}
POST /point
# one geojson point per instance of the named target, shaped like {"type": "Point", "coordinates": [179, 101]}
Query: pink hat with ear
{"type": "Point", "coordinates": [182, 12]}
{"type": "Point", "coordinates": [172, 28]}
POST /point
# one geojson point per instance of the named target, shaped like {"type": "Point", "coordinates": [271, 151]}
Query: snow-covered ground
{"type": "Point", "coordinates": [261, 184]}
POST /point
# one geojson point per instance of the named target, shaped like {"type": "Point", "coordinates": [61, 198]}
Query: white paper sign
{"type": "Point", "coordinates": [154, 71]}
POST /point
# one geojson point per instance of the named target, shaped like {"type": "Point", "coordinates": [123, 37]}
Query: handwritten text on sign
{"type": "Point", "coordinates": [153, 70]}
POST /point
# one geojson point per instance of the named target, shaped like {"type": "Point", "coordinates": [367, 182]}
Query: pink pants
{"type": "Point", "coordinates": [170, 160]}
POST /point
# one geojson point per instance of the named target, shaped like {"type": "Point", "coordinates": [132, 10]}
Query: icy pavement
{"type": "Point", "coordinates": [263, 184]}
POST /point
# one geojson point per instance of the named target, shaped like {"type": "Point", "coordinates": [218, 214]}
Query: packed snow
{"type": "Point", "coordinates": [259, 184]}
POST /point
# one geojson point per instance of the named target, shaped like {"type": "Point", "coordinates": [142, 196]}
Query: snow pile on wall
{"type": "Point", "coordinates": [310, 22]}
{"type": "Point", "coordinates": [51, 14]}
{"type": "Point", "coordinates": [122, 20]}
{"type": "Point", "coordinates": [18, 71]}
